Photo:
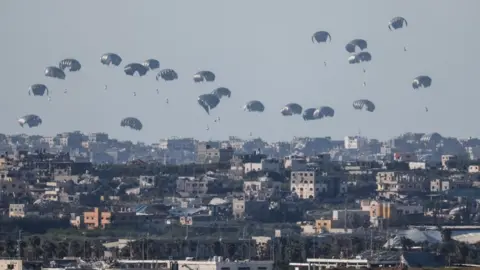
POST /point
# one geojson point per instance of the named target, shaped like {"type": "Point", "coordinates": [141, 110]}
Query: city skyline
{"type": "Point", "coordinates": [263, 53]}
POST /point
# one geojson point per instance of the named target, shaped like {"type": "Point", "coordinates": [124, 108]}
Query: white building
{"type": "Point", "coordinates": [271, 165]}
{"type": "Point", "coordinates": [354, 142]}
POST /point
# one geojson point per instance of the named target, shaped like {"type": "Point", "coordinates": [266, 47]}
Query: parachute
{"type": "Point", "coordinates": [254, 106]}
{"type": "Point", "coordinates": [321, 36]}
{"type": "Point", "coordinates": [132, 123]}
{"type": "Point", "coordinates": [204, 76]}
{"type": "Point", "coordinates": [397, 23]}
{"type": "Point", "coordinates": [421, 81]}
{"type": "Point", "coordinates": [222, 92]}
{"type": "Point", "coordinates": [208, 101]}
{"type": "Point", "coordinates": [55, 72]}
{"type": "Point", "coordinates": [355, 44]}
{"type": "Point", "coordinates": [364, 104]}
{"type": "Point", "coordinates": [151, 64]}
{"type": "Point", "coordinates": [31, 120]}
{"type": "Point", "coordinates": [291, 109]}
{"type": "Point", "coordinates": [133, 68]}
{"type": "Point", "coordinates": [360, 57]}
{"type": "Point", "coordinates": [111, 59]}
{"type": "Point", "coordinates": [167, 75]}
{"type": "Point", "coordinates": [324, 111]}
{"type": "Point", "coordinates": [70, 64]}
{"type": "Point", "coordinates": [308, 114]}
{"type": "Point", "coordinates": [38, 89]}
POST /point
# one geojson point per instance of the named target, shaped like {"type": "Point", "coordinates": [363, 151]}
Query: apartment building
{"type": "Point", "coordinates": [96, 219]}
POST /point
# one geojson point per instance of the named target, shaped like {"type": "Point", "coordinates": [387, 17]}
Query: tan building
{"type": "Point", "coordinates": [16, 211]}
{"type": "Point", "coordinates": [96, 219]}
{"type": "Point", "coordinates": [11, 264]}
{"type": "Point", "coordinates": [307, 184]}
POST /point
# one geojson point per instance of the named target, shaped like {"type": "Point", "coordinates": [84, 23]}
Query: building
{"type": "Point", "coordinates": [12, 186]}
{"type": "Point", "coordinates": [394, 183]}
{"type": "Point", "coordinates": [312, 184]}
{"type": "Point", "coordinates": [242, 208]}
{"type": "Point", "coordinates": [354, 142]}
{"type": "Point", "coordinates": [439, 185]}
{"type": "Point", "coordinates": [177, 144]}
{"type": "Point", "coordinates": [98, 137]}
{"type": "Point", "coordinates": [215, 263]}
{"type": "Point", "coordinates": [295, 163]}
{"type": "Point", "coordinates": [261, 188]}
{"type": "Point", "coordinates": [16, 211]}
{"type": "Point", "coordinates": [307, 184]}
{"type": "Point", "coordinates": [206, 153]}
{"type": "Point", "coordinates": [264, 164]}
{"type": "Point", "coordinates": [194, 186]}
{"type": "Point", "coordinates": [96, 219]}
{"type": "Point", "coordinates": [11, 264]}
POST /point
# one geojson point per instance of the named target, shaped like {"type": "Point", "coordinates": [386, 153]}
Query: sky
{"type": "Point", "coordinates": [260, 50]}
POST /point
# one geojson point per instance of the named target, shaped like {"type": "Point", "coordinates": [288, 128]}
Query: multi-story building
{"type": "Point", "coordinates": [194, 186]}
{"type": "Point", "coordinates": [439, 185]}
{"type": "Point", "coordinates": [295, 163]}
{"type": "Point", "coordinates": [264, 164]}
{"type": "Point", "coordinates": [16, 211]}
{"type": "Point", "coordinates": [394, 183]}
{"type": "Point", "coordinates": [97, 219]}
{"type": "Point", "coordinates": [98, 137]}
{"type": "Point", "coordinates": [206, 153]}
{"type": "Point", "coordinates": [12, 186]}
{"type": "Point", "coordinates": [354, 142]}
{"type": "Point", "coordinates": [261, 188]}
{"type": "Point", "coordinates": [177, 144]}
{"type": "Point", "coordinates": [307, 184]}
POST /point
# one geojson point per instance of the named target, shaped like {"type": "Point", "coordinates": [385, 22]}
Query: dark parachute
{"type": "Point", "coordinates": [208, 101]}
{"type": "Point", "coordinates": [254, 106]}
{"type": "Point", "coordinates": [167, 75]}
{"type": "Point", "coordinates": [204, 76]}
{"type": "Point", "coordinates": [111, 59]}
{"type": "Point", "coordinates": [55, 72]}
{"type": "Point", "coordinates": [291, 109]}
{"type": "Point", "coordinates": [31, 120]}
{"type": "Point", "coordinates": [324, 111]}
{"type": "Point", "coordinates": [362, 104]}
{"type": "Point", "coordinates": [38, 89]}
{"type": "Point", "coordinates": [151, 64]}
{"type": "Point", "coordinates": [308, 114]}
{"type": "Point", "coordinates": [360, 57]}
{"type": "Point", "coordinates": [133, 68]}
{"type": "Point", "coordinates": [321, 36]}
{"type": "Point", "coordinates": [132, 123]}
{"type": "Point", "coordinates": [222, 92]}
{"type": "Point", "coordinates": [421, 81]}
{"type": "Point", "coordinates": [397, 23]}
{"type": "Point", "coordinates": [352, 46]}
{"type": "Point", "coordinates": [70, 64]}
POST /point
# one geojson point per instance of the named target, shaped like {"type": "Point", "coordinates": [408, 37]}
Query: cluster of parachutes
{"type": "Point", "coordinates": [357, 49]}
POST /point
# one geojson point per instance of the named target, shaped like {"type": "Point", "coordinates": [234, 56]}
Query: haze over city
{"type": "Point", "coordinates": [258, 49]}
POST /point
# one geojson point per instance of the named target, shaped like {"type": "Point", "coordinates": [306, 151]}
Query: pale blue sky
{"type": "Point", "coordinates": [259, 49]}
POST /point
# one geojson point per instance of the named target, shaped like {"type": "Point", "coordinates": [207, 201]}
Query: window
{"type": "Point", "coordinates": [243, 268]}
{"type": "Point", "coordinates": [225, 268]}
{"type": "Point", "coordinates": [261, 268]}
